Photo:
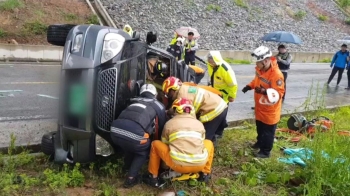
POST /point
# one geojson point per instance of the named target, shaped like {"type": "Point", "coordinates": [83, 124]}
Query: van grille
{"type": "Point", "coordinates": [106, 92]}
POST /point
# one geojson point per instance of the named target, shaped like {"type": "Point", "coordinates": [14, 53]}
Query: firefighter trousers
{"type": "Point", "coordinates": [266, 136]}
{"type": "Point", "coordinates": [161, 151]}
{"type": "Point", "coordinates": [215, 126]}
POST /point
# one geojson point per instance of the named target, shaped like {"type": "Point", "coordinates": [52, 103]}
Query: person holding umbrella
{"type": "Point", "coordinates": [339, 62]}
{"type": "Point", "coordinates": [268, 86]}
{"type": "Point", "coordinates": [190, 49]}
{"type": "Point", "coordinates": [284, 59]}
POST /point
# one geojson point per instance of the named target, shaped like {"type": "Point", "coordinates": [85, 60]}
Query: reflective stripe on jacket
{"type": "Point", "coordinates": [207, 104]}
{"type": "Point", "coordinates": [185, 136]}
{"type": "Point", "coordinates": [222, 77]}
{"type": "Point", "coordinates": [272, 78]}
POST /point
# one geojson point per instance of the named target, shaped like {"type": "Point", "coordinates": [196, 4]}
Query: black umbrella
{"type": "Point", "coordinates": [281, 37]}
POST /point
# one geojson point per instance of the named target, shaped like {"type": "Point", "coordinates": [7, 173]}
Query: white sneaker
{"type": "Point", "coordinates": [170, 174]}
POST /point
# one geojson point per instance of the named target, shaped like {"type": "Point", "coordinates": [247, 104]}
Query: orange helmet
{"type": "Point", "coordinates": [183, 105]}
{"type": "Point", "coordinates": [171, 83]}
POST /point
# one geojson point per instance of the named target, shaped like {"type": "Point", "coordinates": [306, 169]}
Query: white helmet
{"type": "Point", "coordinates": [149, 88]}
{"type": "Point", "coordinates": [261, 53]}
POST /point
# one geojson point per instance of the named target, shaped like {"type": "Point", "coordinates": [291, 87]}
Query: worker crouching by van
{"type": "Point", "coordinates": [135, 128]}
{"type": "Point", "coordinates": [183, 147]}
{"type": "Point", "coordinates": [210, 108]}
{"type": "Point", "coordinates": [268, 85]}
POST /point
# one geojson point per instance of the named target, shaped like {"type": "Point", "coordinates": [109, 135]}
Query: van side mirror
{"type": "Point", "coordinates": [151, 37]}
{"type": "Point", "coordinates": [136, 35]}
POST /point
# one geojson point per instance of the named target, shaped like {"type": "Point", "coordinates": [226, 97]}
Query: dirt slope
{"type": "Point", "coordinates": [25, 21]}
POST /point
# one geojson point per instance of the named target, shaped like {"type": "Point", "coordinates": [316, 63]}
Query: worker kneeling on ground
{"type": "Point", "coordinates": [135, 127]}
{"type": "Point", "coordinates": [269, 87]}
{"type": "Point", "coordinates": [183, 147]}
{"type": "Point", "coordinates": [210, 108]}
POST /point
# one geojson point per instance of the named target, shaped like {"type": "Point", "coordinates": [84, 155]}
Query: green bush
{"type": "Point", "coordinates": [237, 61]}
{"type": "Point", "coordinates": [299, 15]}
{"type": "Point", "coordinates": [322, 17]}
{"type": "Point", "coordinates": [324, 61]}
{"type": "Point", "coordinates": [8, 5]}
{"type": "Point", "coordinates": [211, 7]}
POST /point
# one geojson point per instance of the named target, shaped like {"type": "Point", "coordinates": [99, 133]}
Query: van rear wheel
{"type": "Point", "coordinates": [57, 34]}
{"type": "Point", "coordinates": [47, 143]}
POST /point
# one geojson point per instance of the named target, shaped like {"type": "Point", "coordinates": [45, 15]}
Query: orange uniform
{"type": "Point", "coordinates": [272, 78]}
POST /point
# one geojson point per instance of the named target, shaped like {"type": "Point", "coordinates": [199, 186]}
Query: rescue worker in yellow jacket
{"type": "Point", "coordinates": [183, 147]}
{"type": "Point", "coordinates": [209, 107]}
{"type": "Point", "coordinates": [222, 78]}
{"type": "Point", "coordinates": [190, 48]}
{"type": "Point", "coordinates": [127, 28]}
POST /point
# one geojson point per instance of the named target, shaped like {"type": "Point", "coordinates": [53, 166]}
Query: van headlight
{"type": "Point", "coordinates": [112, 45]}
{"type": "Point", "coordinates": [103, 147]}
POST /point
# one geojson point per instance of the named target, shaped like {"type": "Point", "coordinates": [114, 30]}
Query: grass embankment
{"type": "Point", "coordinates": [235, 171]}
{"type": "Point", "coordinates": [26, 21]}
{"type": "Point", "coordinates": [237, 61]}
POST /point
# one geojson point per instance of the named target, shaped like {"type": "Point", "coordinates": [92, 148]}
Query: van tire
{"type": "Point", "coordinates": [57, 34]}
{"type": "Point", "coordinates": [48, 144]}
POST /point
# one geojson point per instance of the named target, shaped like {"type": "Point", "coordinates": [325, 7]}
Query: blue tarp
{"type": "Point", "coordinates": [299, 155]}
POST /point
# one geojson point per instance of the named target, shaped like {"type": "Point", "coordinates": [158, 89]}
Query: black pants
{"type": "Point", "coordinates": [135, 154]}
{"type": "Point", "coordinates": [190, 58]}
{"type": "Point", "coordinates": [285, 75]}
{"type": "Point", "coordinates": [214, 127]}
{"type": "Point", "coordinates": [266, 136]}
{"type": "Point", "coordinates": [334, 71]}
{"type": "Point", "coordinates": [348, 73]}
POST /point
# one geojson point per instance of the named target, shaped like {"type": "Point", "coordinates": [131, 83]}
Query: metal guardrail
{"type": "Point", "coordinates": [103, 17]}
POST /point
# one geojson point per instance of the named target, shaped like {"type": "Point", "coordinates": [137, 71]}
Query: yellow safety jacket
{"type": "Point", "coordinates": [185, 136]}
{"type": "Point", "coordinates": [222, 77]}
{"type": "Point", "coordinates": [207, 104]}
{"type": "Point", "coordinates": [130, 32]}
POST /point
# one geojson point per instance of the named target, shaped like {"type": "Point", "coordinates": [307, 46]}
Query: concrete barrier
{"type": "Point", "coordinates": [54, 53]}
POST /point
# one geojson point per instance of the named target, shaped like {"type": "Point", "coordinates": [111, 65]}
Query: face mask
{"type": "Point", "coordinates": [178, 44]}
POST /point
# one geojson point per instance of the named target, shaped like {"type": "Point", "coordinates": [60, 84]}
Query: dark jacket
{"type": "Point", "coordinates": [284, 63]}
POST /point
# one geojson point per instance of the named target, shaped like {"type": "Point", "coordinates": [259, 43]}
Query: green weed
{"type": "Point", "coordinates": [323, 17]}
{"type": "Point", "coordinates": [36, 28]}
{"type": "Point", "coordinates": [9, 5]}
{"type": "Point", "coordinates": [212, 7]}
{"type": "Point", "coordinates": [347, 21]}
{"type": "Point", "coordinates": [327, 60]}
{"type": "Point", "coordinates": [57, 180]}
{"type": "Point", "coordinates": [70, 17]}
{"type": "Point", "coordinates": [2, 33]}
{"type": "Point", "coordinates": [93, 19]}
{"type": "Point", "coordinates": [240, 3]}
{"type": "Point", "coordinates": [299, 15]}
{"type": "Point", "coordinates": [343, 3]}
{"type": "Point", "coordinates": [229, 24]}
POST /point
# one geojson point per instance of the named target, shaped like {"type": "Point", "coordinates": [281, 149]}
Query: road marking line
{"type": "Point", "coordinates": [29, 83]}
{"type": "Point", "coordinates": [9, 91]}
{"type": "Point", "coordinates": [47, 96]}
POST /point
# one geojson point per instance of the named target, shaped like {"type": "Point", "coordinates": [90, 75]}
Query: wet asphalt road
{"type": "Point", "coordinates": [29, 115]}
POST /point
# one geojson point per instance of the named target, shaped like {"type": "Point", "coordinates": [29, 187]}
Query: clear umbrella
{"type": "Point", "coordinates": [183, 31]}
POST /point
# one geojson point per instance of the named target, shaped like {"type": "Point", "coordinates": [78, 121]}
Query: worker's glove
{"type": "Point", "coordinates": [260, 90]}
{"type": "Point", "coordinates": [246, 88]}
